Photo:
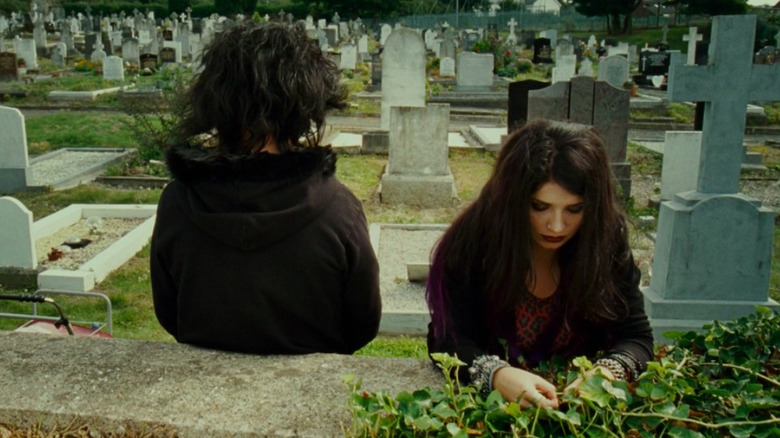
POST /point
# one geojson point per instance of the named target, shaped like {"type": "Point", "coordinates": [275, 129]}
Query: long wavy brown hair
{"type": "Point", "coordinates": [262, 82]}
{"type": "Point", "coordinates": [488, 247]}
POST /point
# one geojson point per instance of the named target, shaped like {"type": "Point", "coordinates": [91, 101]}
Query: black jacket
{"type": "Point", "coordinates": [265, 254]}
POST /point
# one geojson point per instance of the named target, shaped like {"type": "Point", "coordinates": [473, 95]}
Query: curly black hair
{"type": "Point", "coordinates": [261, 82]}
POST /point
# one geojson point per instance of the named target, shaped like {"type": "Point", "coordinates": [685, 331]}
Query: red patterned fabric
{"type": "Point", "coordinates": [531, 320]}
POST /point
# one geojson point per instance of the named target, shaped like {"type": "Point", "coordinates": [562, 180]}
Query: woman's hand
{"type": "Point", "coordinates": [528, 389]}
{"type": "Point", "coordinates": [575, 385]}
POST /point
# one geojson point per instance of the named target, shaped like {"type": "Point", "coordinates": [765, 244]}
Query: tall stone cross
{"type": "Point", "coordinates": [713, 250]}
{"type": "Point", "coordinates": [512, 38]}
{"type": "Point", "coordinates": [692, 37]}
{"type": "Point", "coordinates": [726, 85]}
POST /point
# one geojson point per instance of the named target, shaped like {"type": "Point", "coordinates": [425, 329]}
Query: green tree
{"type": "Point", "coordinates": [351, 8]}
{"type": "Point", "coordinates": [228, 7]}
{"type": "Point", "coordinates": [616, 12]}
{"type": "Point", "coordinates": [714, 7]}
{"type": "Point", "coordinates": [178, 6]}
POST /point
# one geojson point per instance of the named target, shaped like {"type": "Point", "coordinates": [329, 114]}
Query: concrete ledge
{"type": "Point", "coordinates": [422, 191]}
{"type": "Point", "coordinates": [113, 384]}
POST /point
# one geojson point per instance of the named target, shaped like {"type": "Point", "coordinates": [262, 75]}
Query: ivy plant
{"type": "Point", "coordinates": [722, 381]}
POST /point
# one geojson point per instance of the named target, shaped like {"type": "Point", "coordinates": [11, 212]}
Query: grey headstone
{"type": "Point", "coordinates": [26, 50]}
{"type": "Point", "coordinates": [446, 66]}
{"type": "Point", "coordinates": [565, 68]}
{"type": "Point", "coordinates": [348, 56]}
{"type": "Point", "coordinates": [713, 250]}
{"type": "Point", "coordinates": [417, 171]}
{"type": "Point", "coordinates": [14, 162]}
{"type": "Point", "coordinates": [680, 170]}
{"type": "Point", "coordinates": [614, 70]}
{"type": "Point", "coordinates": [475, 69]}
{"type": "Point", "coordinates": [403, 72]}
{"type": "Point", "coordinates": [18, 248]}
{"type": "Point", "coordinates": [113, 68]}
{"type": "Point", "coordinates": [131, 51]}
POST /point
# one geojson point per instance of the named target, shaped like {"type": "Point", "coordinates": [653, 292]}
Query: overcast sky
{"type": "Point", "coordinates": [761, 2]}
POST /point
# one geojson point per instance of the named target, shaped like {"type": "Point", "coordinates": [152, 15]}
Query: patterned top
{"type": "Point", "coordinates": [533, 316]}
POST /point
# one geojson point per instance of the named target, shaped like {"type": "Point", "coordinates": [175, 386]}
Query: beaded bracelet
{"type": "Point", "coordinates": [615, 367]}
{"type": "Point", "coordinates": [481, 372]}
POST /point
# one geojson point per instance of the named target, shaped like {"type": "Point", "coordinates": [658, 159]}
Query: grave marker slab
{"type": "Point", "coordinates": [614, 70]}
{"type": "Point", "coordinates": [517, 102]}
{"type": "Point", "coordinates": [113, 68]}
{"type": "Point", "coordinates": [18, 248]}
{"type": "Point", "coordinates": [14, 163]}
{"type": "Point", "coordinates": [417, 171]}
{"type": "Point", "coordinates": [475, 69]}
{"type": "Point", "coordinates": [542, 51]}
{"type": "Point", "coordinates": [403, 72]}
{"type": "Point", "coordinates": [8, 66]}
{"type": "Point", "coordinates": [680, 169]}
{"type": "Point", "coordinates": [713, 249]}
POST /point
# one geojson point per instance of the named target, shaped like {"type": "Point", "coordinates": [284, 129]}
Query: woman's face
{"type": "Point", "coordinates": [556, 216]}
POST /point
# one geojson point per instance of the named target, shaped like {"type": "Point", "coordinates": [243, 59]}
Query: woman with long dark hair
{"type": "Point", "coordinates": [540, 265]}
{"type": "Point", "coordinates": [258, 247]}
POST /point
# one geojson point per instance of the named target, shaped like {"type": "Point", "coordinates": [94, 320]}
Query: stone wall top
{"type": "Point", "coordinates": [113, 383]}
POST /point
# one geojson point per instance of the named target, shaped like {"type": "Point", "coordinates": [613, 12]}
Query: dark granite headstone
{"type": "Point", "coordinates": [517, 102]}
{"type": "Point", "coordinates": [167, 34]}
{"type": "Point", "coordinates": [8, 67]}
{"type": "Point", "coordinates": [89, 44]}
{"type": "Point", "coordinates": [596, 103]}
{"type": "Point", "coordinates": [654, 63]}
{"type": "Point", "coordinates": [149, 60]}
{"type": "Point", "coordinates": [376, 71]}
{"type": "Point", "coordinates": [108, 45]}
{"type": "Point", "coordinates": [542, 51]}
{"type": "Point", "coordinates": [527, 38]}
{"type": "Point", "coordinates": [168, 55]}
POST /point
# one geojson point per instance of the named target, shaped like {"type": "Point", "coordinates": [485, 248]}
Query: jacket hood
{"type": "Point", "coordinates": [249, 202]}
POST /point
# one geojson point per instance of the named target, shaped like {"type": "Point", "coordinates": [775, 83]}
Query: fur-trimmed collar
{"type": "Point", "coordinates": [192, 164]}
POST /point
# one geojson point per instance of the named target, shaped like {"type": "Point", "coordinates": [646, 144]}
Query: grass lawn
{"type": "Point", "coordinates": [129, 287]}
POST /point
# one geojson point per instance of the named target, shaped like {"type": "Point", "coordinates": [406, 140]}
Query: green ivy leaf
{"type": "Point", "coordinates": [659, 391]}
{"type": "Point", "coordinates": [593, 389]}
{"type": "Point", "coordinates": [455, 431]}
{"type": "Point", "coordinates": [443, 411]}
{"type": "Point", "coordinates": [427, 423]}
{"type": "Point", "coordinates": [682, 411]}
{"type": "Point", "coordinates": [681, 432]}
{"type": "Point", "coordinates": [741, 431]}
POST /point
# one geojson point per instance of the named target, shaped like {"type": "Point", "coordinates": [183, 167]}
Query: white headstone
{"type": "Point", "coordinates": [385, 32]}
{"type": "Point", "coordinates": [403, 72]}
{"type": "Point", "coordinates": [586, 68]}
{"type": "Point", "coordinates": [26, 50]}
{"type": "Point", "coordinates": [17, 249]}
{"type": "Point", "coordinates": [176, 45]}
{"type": "Point", "coordinates": [565, 68]}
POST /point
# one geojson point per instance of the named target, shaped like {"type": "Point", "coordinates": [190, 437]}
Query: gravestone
{"type": "Point", "coordinates": [8, 66]}
{"type": "Point", "coordinates": [14, 163]}
{"type": "Point", "coordinates": [447, 66]}
{"type": "Point", "coordinates": [680, 169]}
{"type": "Point", "coordinates": [692, 37]}
{"type": "Point", "coordinates": [517, 102]}
{"type": "Point", "coordinates": [176, 46]}
{"type": "Point", "coordinates": [565, 68]}
{"type": "Point", "coordinates": [564, 48]}
{"type": "Point", "coordinates": [713, 250]}
{"type": "Point", "coordinates": [56, 56]}
{"type": "Point", "coordinates": [586, 68]}
{"type": "Point", "coordinates": [596, 103]}
{"type": "Point", "coordinates": [542, 51]}
{"type": "Point", "coordinates": [150, 61]}
{"type": "Point", "coordinates": [417, 171]}
{"type": "Point", "coordinates": [113, 68]}
{"type": "Point", "coordinates": [348, 57]}
{"type": "Point", "coordinates": [168, 55]}
{"type": "Point", "coordinates": [551, 34]}
{"type": "Point", "coordinates": [447, 49]}
{"type": "Point", "coordinates": [39, 36]}
{"type": "Point", "coordinates": [475, 69]}
{"type": "Point", "coordinates": [654, 63]}
{"type": "Point", "coordinates": [376, 71]}
{"type": "Point", "coordinates": [614, 71]}
{"type": "Point", "coordinates": [403, 72]}
{"type": "Point", "coordinates": [527, 38]}
{"type": "Point", "coordinates": [26, 50]}
{"type": "Point", "coordinates": [384, 34]}
{"type": "Point", "coordinates": [131, 51]}
{"type": "Point", "coordinates": [18, 248]}
{"type": "Point", "coordinates": [363, 47]}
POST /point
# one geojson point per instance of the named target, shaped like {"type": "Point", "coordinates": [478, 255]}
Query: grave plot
{"type": "Point", "coordinates": [404, 252]}
{"type": "Point", "coordinates": [56, 249]}
{"type": "Point", "coordinates": [116, 233]}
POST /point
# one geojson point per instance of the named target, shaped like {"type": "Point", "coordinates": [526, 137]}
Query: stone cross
{"type": "Point", "coordinates": [713, 250]}
{"type": "Point", "coordinates": [726, 85]}
{"type": "Point", "coordinates": [692, 37]}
